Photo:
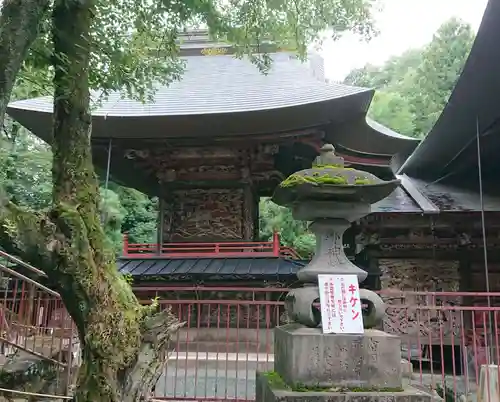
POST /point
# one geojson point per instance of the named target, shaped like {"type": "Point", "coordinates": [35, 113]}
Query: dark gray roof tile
{"type": "Point", "coordinates": [222, 84]}
{"type": "Point", "coordinates": [452, 198]}
{"type": "Point", "coordinates": [209, 266]}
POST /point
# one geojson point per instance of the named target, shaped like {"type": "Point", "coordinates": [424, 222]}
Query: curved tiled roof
{"type": "Point", "coordinates": [223, 95]}
{"type": "Point", "coordinates": [368, 137]}
{"type": "Point", "coordinates": [219, 95]}
{"type": "Point", "coordinates": [221, 84]}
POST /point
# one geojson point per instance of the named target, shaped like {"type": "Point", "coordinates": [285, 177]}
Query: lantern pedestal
{"type": "Point", "coordinates": [307, 356]}
{"type": "Point", "coordinates": [310, 366]}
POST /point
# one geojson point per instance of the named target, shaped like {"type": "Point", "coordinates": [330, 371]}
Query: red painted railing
{"type": "Point", "coordinates": [229, 335]}
{"type": "Point", "coordinates": [34, 327]}
{"type": "Point", "coordinates": [223, 249]}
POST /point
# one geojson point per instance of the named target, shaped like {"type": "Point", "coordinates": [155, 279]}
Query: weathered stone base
{"type": "Point", "coordinates": [267, 392]}
{"type": "Point", "coordinates": [307, 356]}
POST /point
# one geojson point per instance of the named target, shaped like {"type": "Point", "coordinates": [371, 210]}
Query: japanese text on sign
{"type": "Point", "coordinates": [340, 304]}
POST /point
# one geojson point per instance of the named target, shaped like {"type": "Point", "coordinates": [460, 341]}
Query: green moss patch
{"type": "Point", "coordinates": [360, 181]}
{"type": "Point", "coordinates": [315, 179]}
{"type": "Point", "coordinates": [317, 388]}
{"type": "Point", "coordinates": [330, 167]}
{"type": "Point", "coordinates": [338, 177]}
{"type": "Point", "coordinates": [374, 389]}
{"type": "Point", "coordinates": [277, 382]}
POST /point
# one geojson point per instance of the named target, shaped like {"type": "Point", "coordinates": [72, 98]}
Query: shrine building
{"type": "Point", "coordinates": [215, 142]}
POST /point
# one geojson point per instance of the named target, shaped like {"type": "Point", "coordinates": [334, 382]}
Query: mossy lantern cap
{"type": "Point", "coordinates": [329, 180]}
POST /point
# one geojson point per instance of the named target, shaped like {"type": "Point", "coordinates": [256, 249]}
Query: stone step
{"type": "Point", "coordinates": [220, 361]}
{"type": "Point", "coordinates": [223, 347]}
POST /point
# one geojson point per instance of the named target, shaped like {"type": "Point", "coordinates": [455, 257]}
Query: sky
{"type": "Point", "coordinates": [402, 24]}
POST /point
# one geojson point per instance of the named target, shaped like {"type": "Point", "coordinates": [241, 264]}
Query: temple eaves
{"type": "Point", "coordinates": [222, 95]}
{"type": "Point", "coordinates": [225, 97]}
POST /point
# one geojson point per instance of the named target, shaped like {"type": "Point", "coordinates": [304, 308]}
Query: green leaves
{"type": "Point", "coordinates": [394, 111]}
{"type": "Point", "coordinates": [135, 43]}
{"type": "Point", "coordinates": [25, 169]}
{"type": "Point", "coordinates": [414, 88]}
{"type": "Point", "coordinates": [293, 233]}
{"type": "Point", "coordinates": [141, 215]}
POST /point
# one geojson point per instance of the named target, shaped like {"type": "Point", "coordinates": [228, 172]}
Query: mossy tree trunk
{"type": "Point", "coordinates": [124, 345]}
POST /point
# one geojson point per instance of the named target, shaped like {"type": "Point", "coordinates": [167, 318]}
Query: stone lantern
{"type": "Point", "coordinates": [308, 364]}
{"type": "Point", "coordinates": [332, 197]}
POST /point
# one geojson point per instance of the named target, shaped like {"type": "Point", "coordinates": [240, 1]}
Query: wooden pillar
{"type": "Point", "coordinates": [248, 199]}
{"type": "Point", "coordinates": [160, 223]}
{"type": "Point", "coordinates": [248, 206]}
{"type": "Point", "coordinates": [256, 215]}
{"type": "Point", "coordinates": [167, 215]}
{"type": "Point", "coordinates": [466, 284]}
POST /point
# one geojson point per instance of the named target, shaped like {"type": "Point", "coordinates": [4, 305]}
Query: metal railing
{"type": "Point", "coordinates": [36, 333]}
{"type": "Point", "coordinates": [229, 335]}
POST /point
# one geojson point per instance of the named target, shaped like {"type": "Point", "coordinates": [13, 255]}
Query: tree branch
{"type": "Point", "coordinates": [151, 360]}
{"type": "Point", "coordinates": [19, 27]}
{"type": "Point", "coordinates": [27, 234]}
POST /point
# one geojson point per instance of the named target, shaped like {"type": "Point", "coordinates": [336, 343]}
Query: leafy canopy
{"type": "Point", "coordinates": [134, 43]}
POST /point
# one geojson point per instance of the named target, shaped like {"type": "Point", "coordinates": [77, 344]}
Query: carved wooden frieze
{"type": "Point", "coordinates": [197, 153]}
{"type": "Point", "coordinates": [210, 163]}
{"type": "Point", "coordinates": [463, 220]}
{"type": "Point", "coordinates": [200, 173]}
{"type": "Point", "coordinates": [436, 236]}
{"type": "Point", "coordinates": [414, 316]}
{"type": "Point", "coordinates": [204, 215]}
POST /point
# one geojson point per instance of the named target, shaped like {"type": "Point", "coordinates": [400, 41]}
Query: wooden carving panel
{"type": "Point", "coordinates": [412, 316]}
{"type": "Point", "coordinates": [424, 275]}
{"type": "Point", "coordinates": [204, 215]}
{"type": "Point", "coordinates": [477, 278]}
{"type": "Point", "coordinates": [210, 163]}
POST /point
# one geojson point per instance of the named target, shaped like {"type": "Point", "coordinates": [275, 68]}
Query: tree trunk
{"type": "Point", "coordinates": [123, 343]}
{"type": "Point", "coordinates": [19, 26]}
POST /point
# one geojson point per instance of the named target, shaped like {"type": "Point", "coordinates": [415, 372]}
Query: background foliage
{"type": "Point", "coordinates": [412, 90]}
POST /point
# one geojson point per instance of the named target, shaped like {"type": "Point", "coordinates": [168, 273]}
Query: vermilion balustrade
{"type": "Point", "coordinates": [222, 249]}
